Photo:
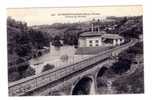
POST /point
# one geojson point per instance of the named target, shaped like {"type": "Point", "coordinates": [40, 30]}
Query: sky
{"type": "Point", "coordinates": [40, 16]}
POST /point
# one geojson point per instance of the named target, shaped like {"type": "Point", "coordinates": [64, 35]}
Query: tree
{"type": "Point", "coordinates": [124, 62]}
{"type": "Point", "coordinates": [22, 69]}
{"type": "Point", "coordinates": [22, 41]}
{"type": "Point", "coordinates": [56, 41]}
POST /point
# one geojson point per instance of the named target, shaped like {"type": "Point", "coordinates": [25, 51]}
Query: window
{"type": "Point", "coordinates": [97, 41]}
{"type": "Point", "coordinates": [90, 45]}
{"type": "Point", "coordinates": [97, 45]}
{"type": "Point", "coordinates": [90, 41]}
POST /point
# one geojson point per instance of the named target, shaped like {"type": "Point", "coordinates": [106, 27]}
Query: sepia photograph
{"type": "Point", "coordinates": [87, 50]}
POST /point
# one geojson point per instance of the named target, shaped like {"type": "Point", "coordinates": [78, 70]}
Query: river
{"type": "Point", "coordinates": [53, 57]}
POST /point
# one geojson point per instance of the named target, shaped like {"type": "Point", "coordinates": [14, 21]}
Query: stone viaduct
{"type": "Point", "coordinates": [74, 79]}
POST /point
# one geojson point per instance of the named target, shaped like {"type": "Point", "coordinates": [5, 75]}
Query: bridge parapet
{"type": "Point", "coordinates": [28, 84]}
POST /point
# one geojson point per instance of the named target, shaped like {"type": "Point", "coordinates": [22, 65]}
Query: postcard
{"type": "Point", "coordinates": [88, 50]}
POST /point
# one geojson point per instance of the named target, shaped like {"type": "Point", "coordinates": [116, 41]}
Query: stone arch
{"type": "Point", "coordinates": [99, 76]}
{"type": "Point", "coordinates": [101, 71]}
{"type": "Point", "coordinates": [82, 86]}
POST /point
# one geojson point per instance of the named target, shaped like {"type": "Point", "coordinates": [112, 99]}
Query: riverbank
{"type": "Point", "coordinates": [130, 82]}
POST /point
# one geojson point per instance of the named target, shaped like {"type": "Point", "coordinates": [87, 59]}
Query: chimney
{"type": "Point", "coordinates": [98, 22]}
{"type": "Point", "coordinates": [98, 28]}
{"type": "Point", "coordinates": [92, 27]}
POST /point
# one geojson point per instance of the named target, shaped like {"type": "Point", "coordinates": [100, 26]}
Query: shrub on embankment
{"type": "Point", "coordinates": [17, 73]}
{"type": "Point", "coordinates": [47, 67]}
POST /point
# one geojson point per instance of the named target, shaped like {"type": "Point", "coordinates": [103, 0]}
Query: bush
{"type": "Point", "coordinates": [133, 83]}
{"type": "Point", "coordinates": [136, 49]}
{"type": "Point", "coordinates": [47, 67]}
{"type": "Point", "coordinates": [20, 72]}
{"type": "Point", "coordinates": [121, 66]}
{"type": "Point", "coordinates": [29, 72]}
{"type": "Point", "coordinates": [13, 76]}
{"type": "Point", "coordinates": [12, 69]}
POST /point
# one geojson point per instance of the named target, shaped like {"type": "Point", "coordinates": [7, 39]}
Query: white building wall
{"type": "Point", "coordinates": [85, 42]}
{"type": "Point", "coordinates": [82, 42]}
{"type": "Point", "coordinates": [118, 41]}
{"type": "Point", "coordinates": [122, 41]}
{"type": "Point", "coordinates": [93, 39]}
{"type": "Point", "coordinates": [114, 42]}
